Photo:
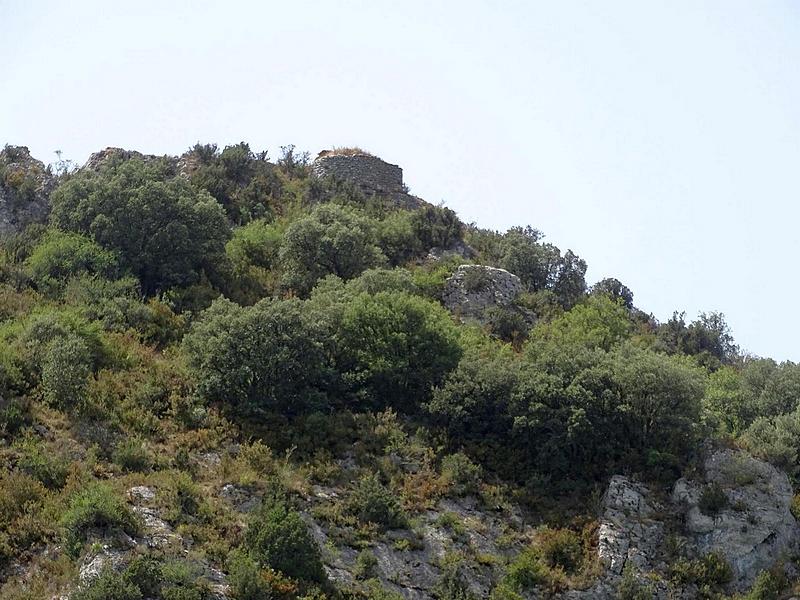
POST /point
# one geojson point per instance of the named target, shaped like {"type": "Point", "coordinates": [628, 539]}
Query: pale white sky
{"type": "Point", "coordinates": [660, 140]}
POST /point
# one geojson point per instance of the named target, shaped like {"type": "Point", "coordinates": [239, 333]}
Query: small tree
{"type": "Point", "coordinates": [277, 537]}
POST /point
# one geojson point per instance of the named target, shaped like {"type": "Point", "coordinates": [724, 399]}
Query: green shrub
{"type": "Point", "coordinates": [555, 554]}
{"type": "Point", "coordinates": [795, 506]}
{"type": "Point", "coordinates": [144, 571]}
{"type": "Point", "coordinates": [372, 502]}
{"type": "Point", "coordinates": [451, 585]}
{"type": "Point", "coordinates": [712, 499]}
{"type": "Point", "coordinates": [62, 255]}
{"type": "Point", "coordinates": [183, 499]}
{"type": "Point", "coordinates": [366, 565]}
{"type": "Point", "coordinates": [375, 591]}
{"type": "Point", "coordinates": [631, 589]}
{"type": "Point", "coordinates": [277, 537]}
{"type": "Point", "coordinates": [526, 570]}
{"type": "Point", "coordinates": [561, 548]}
{"type": "Point", "coordinates": [42, 462]}
{"type": "Point", "coordinates": [95, 506]}
{"type": "Point", "coordinates": [507, 324]}
{"type": "Point", "coordinates": [246, 579]}
{"type": "Point", "coordinates": [768, 586]}
{"type": "Point", "coordinates": [14, 415]}
{"type": "Point", "coordinates": [710, 570]}
{"type": "Point", "coordinates": [331, 239]}
{"type": "Point", "coordinates": [132, 456]}
{"type": "Point", "coordinates": [393, 346]}
{"type": "Point", "coordinates": [22, 523]}
{"type": "Point", "coordinates": [504, 591]}
{"type": "Point", "coordinates": [265, 357]}
{"type": "Point", "coordinates": [66, 367]}
{"type": "Point", "coordinates": [108, 586]}
{"type": "Point", "coordinates": [461, 475]}
{"type": "Point", "coordinates": [181, 580]}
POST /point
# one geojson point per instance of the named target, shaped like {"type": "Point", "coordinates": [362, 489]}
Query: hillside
{"type": "Point", "coordinates": [228, 377]}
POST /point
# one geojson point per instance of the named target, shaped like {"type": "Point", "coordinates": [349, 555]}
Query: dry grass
{"type": "Point", "coordinates": [345, 151]}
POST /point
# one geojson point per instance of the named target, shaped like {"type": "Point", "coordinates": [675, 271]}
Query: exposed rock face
{"type": "Point", "coordinates": [628, 530]}
{"type": "Point", "coordinates": [755, 527]}
{"type": "Point", "coordinates": [25, 186]}
{"type": "Point", "coordinates": [753, 532]}
{"type": "Point", "coordinates": [409, 563]}
{"type": "Point", "coordinates": [373, 176]}
{"type": "Point", "coordinates": [473, 289]}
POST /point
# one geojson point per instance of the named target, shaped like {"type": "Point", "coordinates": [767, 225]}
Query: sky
{"type": "Point", "coordinates": [659, 140]}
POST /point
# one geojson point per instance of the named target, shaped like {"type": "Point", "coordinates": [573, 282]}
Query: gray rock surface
{"type": "Point", "coordinates": [753, 532]}
{"type": "Point", "coordinates": [628, 531]}
{"type": "Point", "coordinates": [755, 528]}
{"type": "Point", "coordinates": [25, 186]}
{"type": "Point", "coordinates": [473, 289]}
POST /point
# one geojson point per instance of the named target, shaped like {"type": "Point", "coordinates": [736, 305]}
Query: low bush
{"type": "Point", "coordinates": [21, 521]}
{"type": "Point", "coordinates": [42, 462]}
{"type": "Point", "coordinates": [631, 589]}
{"type": "Point", "coordinates": [769, 585]}
{"type": "Point", "coordinates": [712, 499]}
{"type": "Point", "coordinates": [131, 455]}
{"type": "Point", "coordinates": [372, 502]}
{"type": "Point", "coordinates": [66, 367]}
{"type": "Point", "coordinates": [96, 506]}
{"type": "Point", "coordinates": [461, 476]}
{"type": "Point", "coordinates": [108, 586]}
{"type": "Point", "coordinates": [277, 537]}
{"type": "Point", "coordinates": [246, 579]}
{"type": "Point", "coordinates": [526, 570]}
{"type": "Point", "coordinates": [561, 548]}
{"type": "Point", "coordinates": [711, 569]}
{"type": "Point", "coordinates": [366, 565]}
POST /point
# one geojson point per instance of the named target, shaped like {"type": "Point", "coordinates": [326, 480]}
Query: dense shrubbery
{"type": "Point", "coordinates": [164, 231]}
{"type": "Point", "coordinates": [267, 357]}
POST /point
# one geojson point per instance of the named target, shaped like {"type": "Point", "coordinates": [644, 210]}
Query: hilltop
{"type": "Point", "coordinates": [224, 376]}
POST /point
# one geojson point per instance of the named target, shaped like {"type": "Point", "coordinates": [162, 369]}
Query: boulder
{"type": "Point", "coordinates": [473, 289]}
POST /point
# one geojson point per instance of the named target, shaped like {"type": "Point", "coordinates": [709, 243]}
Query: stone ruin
{"type": "Point", "coordinates": [373, 176]}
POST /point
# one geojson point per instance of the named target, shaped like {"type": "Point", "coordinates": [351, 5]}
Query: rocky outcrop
{"type": "Point", "coordinates": [98, 159]}
{"type": "Point", "coordinates": [629, 532]}
{"type": "Point", "coordinates": [473, 289]}
{"type": "Point", "coordinates": [373, 176]}
{"type": "Point", "coordinates": [410, 562]}
{"type": "Point", "coordinates": [116, 552]}
{"type": "Point", "coordinates": [751, 525]}
{"type": "Point", "coordinates": [25, 186]}
{"type": "Point", "coordinates": [754, 525]}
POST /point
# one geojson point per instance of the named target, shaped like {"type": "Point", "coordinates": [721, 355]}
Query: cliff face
{"type": "Point", "coordinates": [25, 186]}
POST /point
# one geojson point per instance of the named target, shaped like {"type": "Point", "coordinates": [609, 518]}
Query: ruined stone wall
{"type": "Point", "coordinates": [370, 173]}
